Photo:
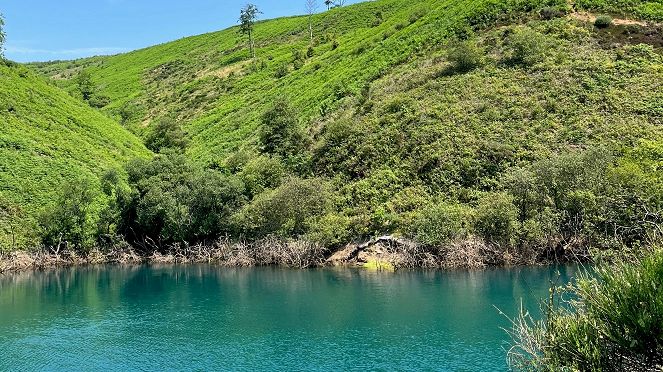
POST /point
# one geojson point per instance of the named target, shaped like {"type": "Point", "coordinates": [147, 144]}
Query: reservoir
{"type": "Point", "coordinates": [202, 317]}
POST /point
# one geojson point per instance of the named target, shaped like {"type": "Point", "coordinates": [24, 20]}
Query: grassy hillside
{"type": "Point", "coordinates": [514, 120]}
{"type": "Point", "coordinates": [47, 138]}
{"type": "Point", "coordinates": [209, 83]}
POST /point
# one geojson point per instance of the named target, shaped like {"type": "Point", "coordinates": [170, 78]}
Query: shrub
{"type": "Point", "coordinates": [613, 322]}
{"type": "Point", "coordinates": [438, 224]}
{"type": "Point", "coordinates": [260, 173]}
{"type": "Point", "coordinates": [67, 223]}
{"type": "Point", "coordinates": [526, 47]}
{"type": "Point", "coordinates": [281, 71]}
{"type": "Point", "coordinates": [174, 201]}
{"type": "Point", "coordinates": [280, 133]}
{"type": "Point", "coordinates": [496, 219]}
{"type": "Point", "coordinates": [130, 111]}
{"type": "Point", "coordinates": [166, 134]}
{"type": "Point", "coordinates": [331, 230]}
{"type": "Point", "coordinates": [548, 13]}
{"type": "Point", "coordinates": [99, 101]}
{"type": "Point", "coordinates": [465, 56]}
{"type": "Point", "coordinates": [310, 52]}
{"type": "Point", "coordinates": [414, 17]}
{"type": "Point", "coordinates": [603, 21]}
{"type": "Point", "coordinates": [289, 210]}
{"type": "Point", "coordinates": [86, 86]}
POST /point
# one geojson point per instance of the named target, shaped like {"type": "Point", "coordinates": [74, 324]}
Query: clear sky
{"type": "Point", "coordinates": [43, 30]}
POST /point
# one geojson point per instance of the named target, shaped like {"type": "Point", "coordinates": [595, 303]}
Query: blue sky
{"type": "Point", "coordinates": [43, 30]}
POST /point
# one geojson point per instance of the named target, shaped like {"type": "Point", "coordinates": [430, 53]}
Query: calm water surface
{"type": "Point", "coordinates": [210, 318]}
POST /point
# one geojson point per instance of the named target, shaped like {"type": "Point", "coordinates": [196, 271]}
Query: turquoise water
{"type": "Point", "coordinates": [211, 318]}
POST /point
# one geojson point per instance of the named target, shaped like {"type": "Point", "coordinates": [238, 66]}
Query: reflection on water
{"type": "Point", "coordinates": [206, 317]}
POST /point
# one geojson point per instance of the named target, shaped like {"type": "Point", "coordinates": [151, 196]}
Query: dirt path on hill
{"type": "Point", "coordinates": [589, 17]}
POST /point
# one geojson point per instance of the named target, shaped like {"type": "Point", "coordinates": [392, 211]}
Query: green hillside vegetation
{"type": "Point", "coordinates": [47, 139]}
{"type": "Point", "coordinates": [443, 121]}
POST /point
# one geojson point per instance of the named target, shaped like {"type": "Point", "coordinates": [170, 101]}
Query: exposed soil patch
{"type": "Point", "coordinates": [624, 31]}
{"type": "Point", "coordinates": [588, 17]}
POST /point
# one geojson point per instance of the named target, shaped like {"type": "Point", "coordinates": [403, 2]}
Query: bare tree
{"type": "Point", "coordinates": [247, 19]}
{"type": "Point", "coordinates": [2, 34]}
{"type": "Point", "coordinates": [334, 3]}
{"type": "Point", "coordinates": [311, 8]}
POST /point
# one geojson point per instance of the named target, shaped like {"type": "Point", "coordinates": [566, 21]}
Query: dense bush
{"type": "Point", "coordinates": [174, 201]}
{"type": "Point", "coordinates": [603, 21]}
{"type": "Point", "coordinates": [281, 135]}
{"type": "Point", "coordinates": [166, 134]}
{"type": "Point", "coordinates": [289, 210]}
{"type": "Point", "coordinates": [439, 224]}
{"type": "Point", "coordinates": [262, 173]}
{"type": "Point", "coordinates": [465, 56]}
{"type": "Point", "coordinates": [496, 219]}
{"type": "Point", "coordinates": [613, 322]}
{"type": "Point", "coordinates": [68, 223]}
{"type": "Point", "coordinates": [526, 47]}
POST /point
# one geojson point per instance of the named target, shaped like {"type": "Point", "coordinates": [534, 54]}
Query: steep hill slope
{"type": "Point", "coordinates": [48, 137]}
{"type": "Point", "coordinates": [406, 107]}
{"type": "Point", "coordinates": [209, 83]}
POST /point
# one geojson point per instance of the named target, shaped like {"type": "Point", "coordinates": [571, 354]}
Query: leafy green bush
{"type": "Point", "coordinates": [174, 201]}
{"type": "Point", "coordinates": [527, 47]}
{"type": "Point", "coordinates": [603, 21]}
{"type": "Point", "coordinates": [612, 323]}
{"type": "Point", "coordinates": [261, 173]}
{"type": "Point", "coordinates": [496, 219]}
{"type": "Point", "coordinates": [68, 223]}
{"type": "Point", "coordinates": [440, 223]}
{"type": "Point", "coordinates": [331, 230]}
{"type": "Point", "coordinates": [289, 210]}
{"type": "Point", "coordinates": [281, 71]}
{"type": "Point", "coordinates": [166, 134]}
{"type": "Point", "coordinates": [465, 56]}
{"type": "Point", "coordinates": [280, 133]}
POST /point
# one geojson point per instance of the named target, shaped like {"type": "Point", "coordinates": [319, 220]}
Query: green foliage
{"type": "Point", "coordinates": [465, 56]}
{"type": "Point", "coordinates": [374, 112]}
{"type": "Point", "coordinates": [440, 223]}
{"type": "Point", "coordinates": [280, 133]}
{"type": "Point", "coordinates": [603, 21]}
{"type": "Point", "coordinates": [651, 10]}
{"type": "Point", "coordinates": [613, 322]}
{"type": "Point", "coordinates": [289, 210]}
{"type": "Point", "coordinates": [174, 201]}
{"type": "Point", "coordinates": [262, 173]}
{"type": "Point", "coordinates": [496, 219]}
{"type": "Point", "coordinates": [48, 139]}
{"type": "Point", "coordinates": [527, 47]}
{"type": "Point", "coordinates": [166, 134]}
{"type": "Point", "coordinates": [68, 223]}
{"type": "Point", "coordinates": [85, 84]}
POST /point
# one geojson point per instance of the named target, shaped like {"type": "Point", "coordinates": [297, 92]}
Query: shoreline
{"type": "Point", "coordinates": [386, 253]}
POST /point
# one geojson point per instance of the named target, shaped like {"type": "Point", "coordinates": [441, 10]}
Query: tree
{"type": "Point", "coordinates": [247, 19]}
{"type": "Point", "coordinates": [311, 8]}
{"type": "Point", "coordinates": [85, 85]}
{"type": "Point", "coordinates": [2, 34]}
{"type": "Point", "coordinates": [334, 4]}
{"type": "Point", "coordinates": [66, 222]}
{"type": "Point", "coordinates": [167, 134]}
{"type": "Point", "coordinates": [280, 133]}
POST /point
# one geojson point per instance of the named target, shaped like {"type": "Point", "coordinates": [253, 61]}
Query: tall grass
{"type": "Point", "coordinates": [611, 319]}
